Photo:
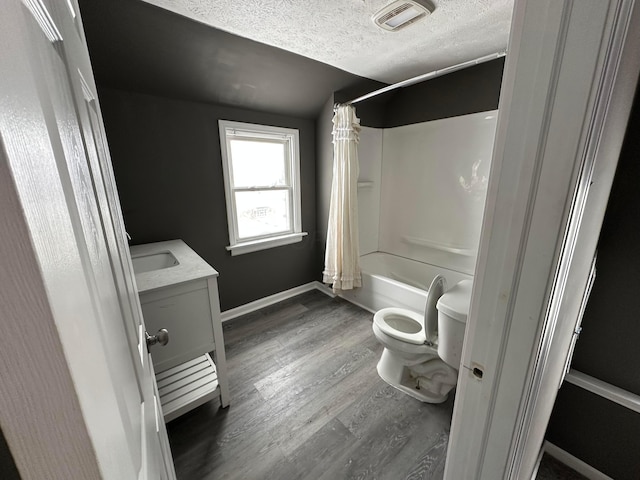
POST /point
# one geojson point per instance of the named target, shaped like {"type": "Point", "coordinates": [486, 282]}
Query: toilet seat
{"type": "Point", "coordinates": [403, 348]}
{"type": "Point", "coordinates": [401, 324]}
{"type": "Point", "coordinates": [411, 327]}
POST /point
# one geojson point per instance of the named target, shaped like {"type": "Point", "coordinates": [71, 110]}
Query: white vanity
{"type": "Point", "coordinates": [179, 292]}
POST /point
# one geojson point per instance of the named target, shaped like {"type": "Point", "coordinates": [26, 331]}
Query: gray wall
{"type": "Point", "coordinates": [324, 175]}
{"type": "Point", "coordinates": [8, 469]}
{"type": "Point", "coordinates": [372, 111]}
{"type": "Point", "coordinates": [474, 89]}
{"type": "Point", "coordinates": [591, 428]}
{"type": "Point", "coordinates": [167, 163]}
{"type": "Point", "coordinates": [471, 90]}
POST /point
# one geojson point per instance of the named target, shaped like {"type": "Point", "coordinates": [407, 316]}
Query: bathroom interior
{"type": "Point", "coordinates": [301, 396]}
{"type": "Point", "coordinates": [166, 156]}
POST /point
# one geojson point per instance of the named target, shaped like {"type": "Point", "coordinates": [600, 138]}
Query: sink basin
{"type": "Point", "coordinates": [155, 261]}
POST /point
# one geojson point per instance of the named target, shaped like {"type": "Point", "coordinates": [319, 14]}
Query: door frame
{"type": "Point", "coordinates": [569, 81]}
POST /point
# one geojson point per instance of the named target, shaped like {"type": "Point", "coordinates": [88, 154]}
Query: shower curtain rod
{"type": "Point", "coordinates": [428, 76]}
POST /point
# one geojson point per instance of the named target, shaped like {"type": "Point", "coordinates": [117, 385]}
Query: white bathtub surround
{"type": "Point", "coordinates": [421, 198]}
{"type": "Point", "coordinates": [393, 281]}
{"type": "Point", "coordinates": [342, 253]}
{"type": "Point", "coordinates": [423, 189]}
{"type": "Point", "coordinates": [369, 184]}
{"type": "Point", "coordinates": [434, 180]}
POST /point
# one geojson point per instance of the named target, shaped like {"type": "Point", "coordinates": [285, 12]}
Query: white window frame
{"type": "Point", "coordinates": [290, 138]}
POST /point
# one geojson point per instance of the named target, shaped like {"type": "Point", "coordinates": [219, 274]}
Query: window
{"type": "Point", "coordinates": [261, 166]}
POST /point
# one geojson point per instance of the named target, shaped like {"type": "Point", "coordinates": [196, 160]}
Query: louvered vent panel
{"type": "Point", "coordinates": [394, 12]}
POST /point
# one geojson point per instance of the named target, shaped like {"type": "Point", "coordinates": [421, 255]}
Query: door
{"type": "Point", "coordinates": [56, 61]}
{"type": "Point", "coordinates": [567, 90]}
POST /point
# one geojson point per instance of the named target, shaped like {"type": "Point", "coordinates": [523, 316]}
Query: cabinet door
{"type": "Point", "coordinates": [185, 311]}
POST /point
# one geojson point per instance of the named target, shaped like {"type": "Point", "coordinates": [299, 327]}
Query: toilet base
{"type": "Point", "coordinates": [393, 371]}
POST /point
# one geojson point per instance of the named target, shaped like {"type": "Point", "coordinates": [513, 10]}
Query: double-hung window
{"type": "Point", "coordinates": [261, 166]}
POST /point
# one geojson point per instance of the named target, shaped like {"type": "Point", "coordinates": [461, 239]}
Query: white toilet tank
{"type": "Point", "coordinates": [453, 308]}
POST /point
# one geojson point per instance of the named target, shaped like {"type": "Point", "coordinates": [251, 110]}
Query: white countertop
{"type": "Point", "coordinates": [191, 266]}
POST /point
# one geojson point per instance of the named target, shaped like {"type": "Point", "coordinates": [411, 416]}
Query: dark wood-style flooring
{"type": "Point", "coordinates": [307, 404]}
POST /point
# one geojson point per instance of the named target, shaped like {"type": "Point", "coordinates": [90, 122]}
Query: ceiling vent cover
{"type": "Point", "coordinates": [401, 13]}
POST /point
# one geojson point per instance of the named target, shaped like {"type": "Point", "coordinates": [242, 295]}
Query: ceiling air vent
{"type": "Point", "coordinates": [401, 13]}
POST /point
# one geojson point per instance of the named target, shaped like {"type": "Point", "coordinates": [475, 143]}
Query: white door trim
{"type": "Point", "coordinates": [557, 72]}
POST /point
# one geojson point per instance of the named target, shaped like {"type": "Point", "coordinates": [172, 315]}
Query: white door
{"type": "Point", "coordinates": [56, 60]}
{"type": "Point", "coordinates": [568, 87]}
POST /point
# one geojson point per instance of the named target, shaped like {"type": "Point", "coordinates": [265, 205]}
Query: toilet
{"type": "Point", "coordinates": [422, 353]}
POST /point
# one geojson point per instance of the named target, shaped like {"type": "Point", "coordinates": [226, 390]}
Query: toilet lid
{"type": "Point", "coordinates": [436, 290]}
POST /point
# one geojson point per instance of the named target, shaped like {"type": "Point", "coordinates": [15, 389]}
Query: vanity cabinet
{"type": "Point", "coordinates": [178, 291]}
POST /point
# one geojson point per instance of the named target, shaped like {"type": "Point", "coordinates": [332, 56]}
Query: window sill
{"type": "Point", "coordinates": [264, 243]}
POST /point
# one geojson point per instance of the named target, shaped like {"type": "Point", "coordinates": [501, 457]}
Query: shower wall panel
{"type": "Point", "coordinates": [370, 159]}
{"type": "Point", "coordinates": [434, 180]}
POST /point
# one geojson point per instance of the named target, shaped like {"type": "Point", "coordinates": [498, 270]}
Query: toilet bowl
{"type": "Point", "coordinates": [422, 352]}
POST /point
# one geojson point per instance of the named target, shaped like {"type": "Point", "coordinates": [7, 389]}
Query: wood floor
{"type": "Point", "coordinates": [307, 403]}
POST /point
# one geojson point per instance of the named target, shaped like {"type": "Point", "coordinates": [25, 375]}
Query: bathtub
{"type": "Point", "coordinates": [392, 281]}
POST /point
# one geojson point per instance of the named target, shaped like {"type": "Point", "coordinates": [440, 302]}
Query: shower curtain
{"type": "Point", "coordinates": [342, 268]}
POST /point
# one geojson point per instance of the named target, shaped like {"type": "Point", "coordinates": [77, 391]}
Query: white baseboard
{"type": "Point", "coordinates": [574, 462]}
{"type": "Point", "coordinates": [357, 304]}
{"type": "Point", "coordinates": [324, 289]}
{"type": "Point", "coordinates": [275, 298]}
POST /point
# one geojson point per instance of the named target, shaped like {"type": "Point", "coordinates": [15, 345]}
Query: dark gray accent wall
{"type": "Point", "coordinates": [136, 46]}
{"type": "Point", "coordinates": [372, 111]}
{"type": "Point", "coordinates": [598, 431]}
{"type": "Point", "coordinates": [8, 469]}
{"type": "Point", "coordinates": [324, 176]}
{"type": "Point", "coordinates": [471, 90]}
{"type": "Point", "coordinates": [167, 162]}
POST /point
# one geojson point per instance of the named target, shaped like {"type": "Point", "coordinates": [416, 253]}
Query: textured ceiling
{"type": "Point", "coordinates": [340, 32]}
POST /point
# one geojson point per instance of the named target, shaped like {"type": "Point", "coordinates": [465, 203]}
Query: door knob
{"type": "Point", "coordinates": [162, 337]}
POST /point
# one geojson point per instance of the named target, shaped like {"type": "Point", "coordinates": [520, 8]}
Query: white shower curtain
{"type": "Point", "coordinates": [341, 263]}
